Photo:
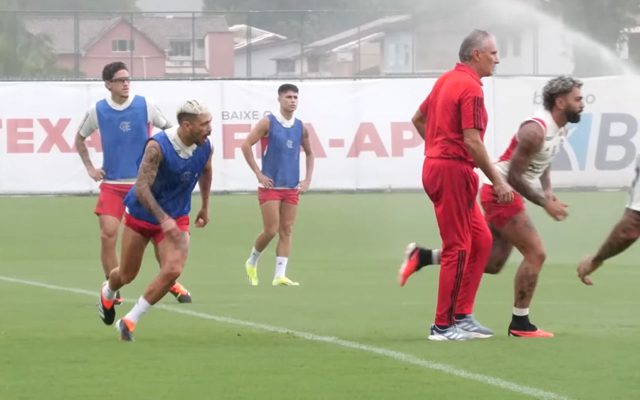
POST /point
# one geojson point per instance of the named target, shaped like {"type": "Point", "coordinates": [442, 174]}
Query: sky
{"type": "Point", "coordinates": [169, 5]}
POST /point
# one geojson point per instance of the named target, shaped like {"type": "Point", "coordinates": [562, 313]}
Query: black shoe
{"type": "Point", "coordinates": [106, 311]}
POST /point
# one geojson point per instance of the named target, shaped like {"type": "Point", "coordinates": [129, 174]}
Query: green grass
{"type": "Point", "coordinates": [346, 251]}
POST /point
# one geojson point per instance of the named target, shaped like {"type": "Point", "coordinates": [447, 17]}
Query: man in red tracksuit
{"type": "Point", "coordinates": [452, 120]}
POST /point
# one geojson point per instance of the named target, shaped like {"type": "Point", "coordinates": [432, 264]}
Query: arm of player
{"type": "Point", "coordinates": [156, 116]}
{"type": "Point", "coordinates": [97, 174]}
{"type": "Point", "coordinates": [204, 183]}
{"type": "Point", "coordinates": [474, 145]}
{"type": "Point", "coordinates": [419, 119]}
{"type": "Point", "coordinates": [260, 130]}
{"type": "Point", "coordinates": [87, 127]}
{"type": "Point", "coordinates": [147, 173]}
{"type": "Point", "coordinates": [309, 161]}
{"type": "Point", "coordinates": [545, 182]}
{"type": "Point", "coordinates": [530, 141]}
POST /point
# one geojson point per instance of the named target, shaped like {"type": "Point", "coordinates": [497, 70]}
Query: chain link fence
{"type": "Point", "coordinates": [270, 44]}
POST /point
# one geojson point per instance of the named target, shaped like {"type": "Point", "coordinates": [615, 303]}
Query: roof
{"type": "Point", "coordinates": [352, 38]}
{"type": "Point", "coordinates": [257, 36]}
{"type": "Point", "coordinates": [61, 29]}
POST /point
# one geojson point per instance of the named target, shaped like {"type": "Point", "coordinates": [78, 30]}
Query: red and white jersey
{"type": "Point", "coordinates": [554, 137]}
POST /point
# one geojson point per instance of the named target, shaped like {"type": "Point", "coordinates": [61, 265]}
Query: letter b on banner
{"type": "Point", "coordinates": [624, 141]}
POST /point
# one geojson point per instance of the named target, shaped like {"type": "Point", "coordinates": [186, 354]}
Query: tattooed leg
{"type": "Point", "coordinates": [500, 251]}
{"type": "Point", "coordinates": [521, 233]}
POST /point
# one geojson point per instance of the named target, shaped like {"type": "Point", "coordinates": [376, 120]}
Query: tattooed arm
{"type": "Point", "coordinates": [545, 182]}
{"type": "Point", "coordinates": [530, 141]}
{"type": "Point", "coordinates": [146, 176]}
{"type": "Point", "coordinates": [87, 127]}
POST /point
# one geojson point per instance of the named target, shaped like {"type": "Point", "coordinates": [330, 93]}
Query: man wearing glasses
{"type": "Point", "coordinates": [125, 124]}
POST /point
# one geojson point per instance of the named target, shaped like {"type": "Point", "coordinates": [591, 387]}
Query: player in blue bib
{"type": "Point", "coordinates": [158, 210]}
{"type": "Point", "coordinates": [281, 137]}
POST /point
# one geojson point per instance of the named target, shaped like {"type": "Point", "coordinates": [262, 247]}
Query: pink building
{"type": "Point", "coordinates": [151, 46]}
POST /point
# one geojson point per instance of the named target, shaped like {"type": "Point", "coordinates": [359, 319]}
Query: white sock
{"type": "Point", "coordinates": [435, 256]}
{"type": "Point", "coordinates": [141, 307]}
{"type": "Point", "coordinates": [253, 257]}
{"type": "Point", "coordinates": [107, 292]}
{"type": "Point", "coordinates": [281, 266]}
{"type": "Point", "coordinates": [520, 312]}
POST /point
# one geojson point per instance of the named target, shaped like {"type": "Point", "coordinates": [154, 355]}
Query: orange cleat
{"type": "Point", "coordinates": [409, 264]}
{"type": "Point", "coordinates": [535, 333]}
{"type": "Point", "coordinates": [180, 293]}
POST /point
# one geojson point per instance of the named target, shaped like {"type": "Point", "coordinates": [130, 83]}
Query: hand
{"type": "Point", "coordinates": [585, 268]}
{"type": "Point", "coordinates": [170, 229]}
{"type": "Point", "coordinates": [264, 180]}
{"type": "Point", "coordinates": [503, 191]}
{"type": "Point", "coordinates": [555, 208]}
{"type": "Point", "coordinates": [202, 219]}
{"type": "Point", "coordinates": [303, 186]}
{"type": "Point", "coordinates": [549, 195]}
{"type": "Point", "coordinates": [96, 174]}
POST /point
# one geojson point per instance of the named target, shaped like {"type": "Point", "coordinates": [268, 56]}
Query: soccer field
{"type": "Point", "coordinates": [348, 332]}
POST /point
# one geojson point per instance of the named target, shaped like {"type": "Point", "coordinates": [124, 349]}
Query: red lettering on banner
{"type": "Point", "coordinates": [314, 141]}
{"type": "Point", "coordinates": [54, 136]}
{"type": "Point", "coordinates": [400, 141]}
{"type": "Point", "coordinates": [18, 139]}
{"type": "Point", "coordinates": [367, 139]}
{"type": "Point", "coordinates": [230, 140]}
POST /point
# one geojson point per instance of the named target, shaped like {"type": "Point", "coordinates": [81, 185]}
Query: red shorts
{"type": "Point", "coordinates": [111, 199]}
{"type": "Point", "coordinates": [498, 214]}
{"type": "Point", "coordinates": [291, 196]}
{"type": "Point", "coordinates": [153, 231]}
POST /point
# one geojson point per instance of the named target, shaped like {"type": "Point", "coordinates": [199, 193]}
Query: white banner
{"type": "Point", "coordinates": [361, 131]}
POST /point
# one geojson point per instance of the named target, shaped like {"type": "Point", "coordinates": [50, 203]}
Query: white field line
{"type": "Point", "coordinates": [396, 355]}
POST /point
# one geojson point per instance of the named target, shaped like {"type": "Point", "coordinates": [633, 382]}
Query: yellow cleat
{"type": "Point", "coordinates": [252, 273]}
{"type": "Point", "coordinates": [284, 281]}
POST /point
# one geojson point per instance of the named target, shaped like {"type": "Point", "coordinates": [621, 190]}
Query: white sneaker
{"type": "Point", "coordinates": [473, 327]}
{"type": "Point", "coordinates": [450, 333]}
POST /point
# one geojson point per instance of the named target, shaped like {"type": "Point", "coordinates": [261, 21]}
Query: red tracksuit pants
{"type": "Point", "coordinates": [452, 186]}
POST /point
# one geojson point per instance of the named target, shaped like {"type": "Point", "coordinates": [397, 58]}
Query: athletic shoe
{"type": "Point", "coordinates": [409, 264]}
{"type": "Point", "coordinates": [284, 281]}
{"type": "Point", "coordinates": [531, 331]}
{"type": "Point", "coordinates": [449, 333]}
{"type": "Point", "coordinates": [118, 300]}
{"type": "Point", "coordinates": [473, 327]}
{"type": "Point", "coordinates": [252, 273]}
{"type": "Point", "coordinates": [125, 328]}
{"type": "Point", "coordinates": [180, 293]}
{"type": "Point", "coordinates": [106, 309]}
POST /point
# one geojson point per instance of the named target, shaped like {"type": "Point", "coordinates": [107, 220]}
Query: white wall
{"type": "Point", "coordinates": [363, 137]}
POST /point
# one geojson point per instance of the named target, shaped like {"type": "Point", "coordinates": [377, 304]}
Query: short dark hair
{"type": "Point", "coordinates": [110, 70]}
{"type": "Point", "coordinates": [287, 87]}
{"type": "Point", "coordinates": [558, 87]}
